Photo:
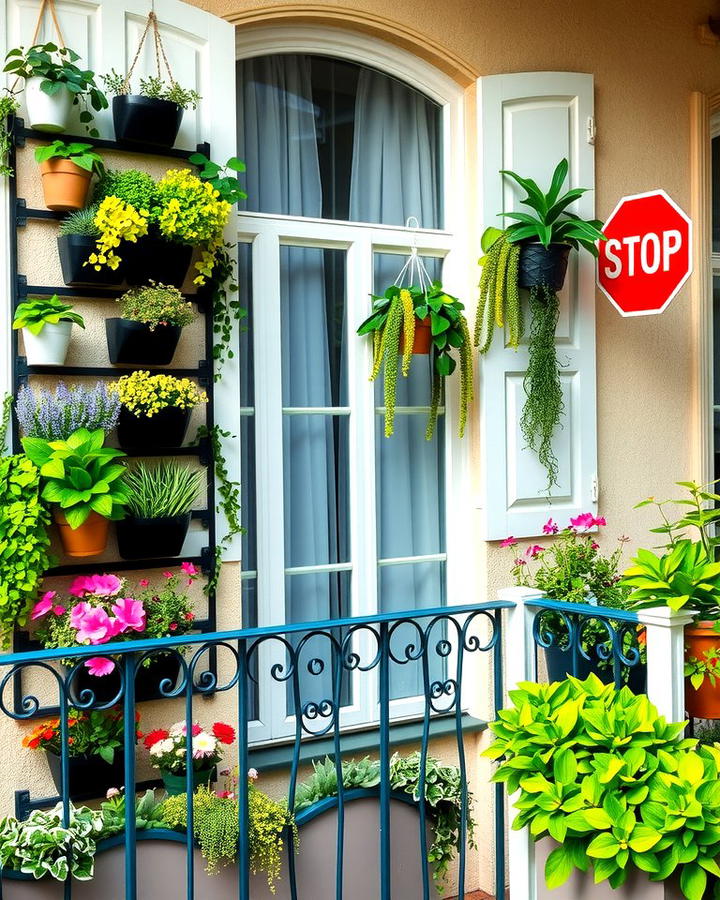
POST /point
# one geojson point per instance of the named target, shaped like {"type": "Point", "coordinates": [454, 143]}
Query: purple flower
{"type": "Point", "coordinates": [54, 415]}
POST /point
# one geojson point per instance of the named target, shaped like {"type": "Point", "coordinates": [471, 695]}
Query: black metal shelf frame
{"type": "Point", "coordinates": [21, 373]}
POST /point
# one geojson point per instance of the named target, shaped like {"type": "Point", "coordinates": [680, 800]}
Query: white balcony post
{"type": "Point", "coordinates": [665, 631]}
{"type": "Point", "coordinates": [520, 665]}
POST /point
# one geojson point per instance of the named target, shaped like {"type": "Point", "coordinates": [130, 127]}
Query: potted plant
{"type": "Point", "coordinates": [53, 85]}
{"type": "Point", "coordinates": [161, 498]}
{"type": "Point", "coordinates": [611, 784]}
{"type": "Point", "coordinates": [152, 116]}
{"type": "Point", "coordinates": [686, 575]}
{"type": "Point", "coordinates": [46, 324]}
{"type": "Point", "coordinates": [533, 253]}
{"type": "Point", "coordinates": [77, 239]}
{"type": "Point", "coordinates": [25, 539]}
{"type": "Point", "coordinates": [167, 749]}
{"type": "Point", "coordinates": [84, 482]}
{"type": "Point", "coordinates": [95, 757]}
{"type": "Point", "coordinates": [99, 608]}
{"type": "Point", "coordinates": [149, 330]}
{"type": "Point", "coordinates": [573, 569]}
{"type": "Point", "coordinates": [55, 414]}
{"type": "Point", "coordinates": [413, 320]}
{"type": "Point", "coordinates": [155, 409]}
{"type": "Point", "coordinates": [66, 172]}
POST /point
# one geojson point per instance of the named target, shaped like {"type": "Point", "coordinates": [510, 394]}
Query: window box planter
{"type": "Point", "coordinates": [141, 538]}
{"type": "Point", "coordinates": [74, 250]}
{"type": "Point", "coordinates": [540, 265]}
{"type": "Point", "coordinates": [50, 347]}
{"type": "Point", "coordinates": [148, 679]}
{"type": "Point", "coordinates": [65, 185]}
{"type": "Point", "coordinates": [144, 120]}
{"type": "Point", "coordinates": [177, 784]}
{"type": "Point", "coordinates": [152, 259]}
{"type": "Point", "coordinates": [165, 429]}
{"type": "Point", "coordinates": [46, 113]}
{"type": "Point", "coordinates": [138, 344]}
{"type": "Point", "coordinates": [88, 774]}
{"type": "Point", "coordinates": [90, 539]}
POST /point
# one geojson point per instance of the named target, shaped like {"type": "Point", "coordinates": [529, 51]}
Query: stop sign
{"type": "Point", "coordinates": [646, 258]}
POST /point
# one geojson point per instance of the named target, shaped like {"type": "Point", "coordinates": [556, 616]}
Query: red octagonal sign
{"type": "Point", "coordinates": [646, 258]}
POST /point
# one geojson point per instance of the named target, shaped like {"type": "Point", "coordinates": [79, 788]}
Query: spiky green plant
{"type": "Point", "coordinates": [499, 300]}
{"type": "Point", "coordinates": [167, 488]}
{"type": "Point", "coordinates": [81, 222]}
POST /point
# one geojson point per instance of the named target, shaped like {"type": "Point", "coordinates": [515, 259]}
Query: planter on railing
{"type": "Point", "coordinates": [89, 775]}
{"type": "Point", "coordinates": [74, 251]}
{"type": "Point", "coordinates": [161, 670]}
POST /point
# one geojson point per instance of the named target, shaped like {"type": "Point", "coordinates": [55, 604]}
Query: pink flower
{"type": "Point", "coordinates": [95, 627]}
{"type": "Point", "coordinates": [99, 666]}
{"type": "Point", "coordinates": [79, 611]}
{"type": "Point", "coordinates": [550, 527]}
{"type": "Point", "coordinates": [520, 561]}
{"type": "Point", "coordinates": [131, 613]}
{"type": "Point", "coordinates": [143, 582]}
{"type": "Point", "coordinates": [534, 550]}
{"type": "Point", "coordinates": [59, 610]}
{"type": "Point", "coordinates": [226, 795]}
{"type": "Point", "coordinates": [508, 542]}
{"type": "Point", "coordinates": [189, 569]}
{"type": "Point", "coordinates": [173, 626]}
{"type": "Point", "coordinates": [98, 585]}
{"type": "Point", "coordinates": [112, 792]}
{"type": "Point", "coordinates": [585, 522]}
{"type": "Point", "coordinates": [600, 522]}
{"type": "Point", "coordinates": [43, 606]}
{"type": "Point", "coordinates": [594, 545]}
{"type": "Point", "coordinates": [253, 775]}
{"type": "Point", "coordinates": [189, 617]}
{"type": "Point", "coordinates": [168, 575]}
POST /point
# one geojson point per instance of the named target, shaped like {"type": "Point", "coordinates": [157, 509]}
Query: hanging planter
{"type": "Point", "coordinates": [155, 114]}
{"type": "Point", "coordinates": [74, 250]}
{"type": "Point", "coordinates": [540, 265]}
{"type": "Point", "coordinates": [422, 338]}
{"type": "Point", "coordinates": [152, 321]}
{"type": "Point", "coordinates": [89, 774]}
{"type": "Point", "coordinates": [46, 325]}
{"type": "Point", "coordinates": [142, 538]}
{"type": "Point", "coordinates": [47, 112]}
{"type": "Point", "coordinates": [154, 259]}
{"type": "Point", "coordinates": [66, 173]}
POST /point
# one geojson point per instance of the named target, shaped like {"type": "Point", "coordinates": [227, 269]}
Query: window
{"type": "Point", "coordinates": [340, 520]}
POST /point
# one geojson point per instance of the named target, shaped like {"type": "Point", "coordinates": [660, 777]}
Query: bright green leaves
{"type": "Point", "coordinates": [82, 155]}
{"type": "Point", "coordinates": [36, 313]}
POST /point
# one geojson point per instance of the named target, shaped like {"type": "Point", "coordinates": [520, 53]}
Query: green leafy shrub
{"type": "Point", "coordinates": [156, 304]}
{"type": "Point", "coordinates": [167, 488]}
{"type": "Point", "coordinates": [131, 186]}
{"type": "Point", "coordinates": [24, 542]}
{"type": "Point", "coordinates": [37, 312]}
{"type": "Point", "coordinates": [148, 813]}
{"type": "Point", "coordinates": [82, 155]}
{"type": "Point", "coordinates": [612, 782]}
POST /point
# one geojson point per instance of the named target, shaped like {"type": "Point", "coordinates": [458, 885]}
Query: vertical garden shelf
{"type": "Point", "coordinates": [20, 214]}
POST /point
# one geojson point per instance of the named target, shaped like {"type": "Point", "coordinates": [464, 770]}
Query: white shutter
{"type": "Point", "coordinates": [201, 50]}
{"type": "Point", "coordinates": [528, 123]}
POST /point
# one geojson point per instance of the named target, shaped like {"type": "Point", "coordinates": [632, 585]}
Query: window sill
{"type": "Point", "coordinates": [279, 756]}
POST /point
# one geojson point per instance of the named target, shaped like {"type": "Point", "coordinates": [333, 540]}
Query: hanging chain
{"type": "Point", "coordinates": [152, 21]}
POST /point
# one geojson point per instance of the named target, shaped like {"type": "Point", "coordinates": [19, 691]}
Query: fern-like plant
{"type": "Point", "coordinates": [393, 322]}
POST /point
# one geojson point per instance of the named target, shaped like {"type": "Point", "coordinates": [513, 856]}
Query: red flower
{"type": "Point", "coordinates": [154, 736]}
{"type": "Point", "coordinates": [224, 733]}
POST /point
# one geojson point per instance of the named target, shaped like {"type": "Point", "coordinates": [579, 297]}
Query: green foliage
{"type": "Point", "coordinates": [35, 313]}
{"type": "Point", "coordinates": [708, 733]}
{"type": "Point", "coordinates": [80, 475]}
{"type": "Point", "coordinates": [24, 542]}
{"type": "Point", "coordinates": [157, 304]}
{"type": "Point", "coordinates": [220, 177]}
{"type": "Point", "coordinates": [82, 221]}
{"type": "Point", "coordinates": [394, 315]}
{"type": "Point", "coordinates": [683, 576]}
{"type": "Point", "coordinates": [41, 845]}
{"type": "Point", "coordinates": [697, 669]}
{"type": "Point", "coordinates": [217, 831]}
{"type": "Point", "coordinates": [443, 795]}
{"type": "Point", "coordinates": [131, 186]}
{"type": "Point", "coordinates": [56, 66]}
{"type": "Point", "coordinates": [552, 223]}
{"type": "Point", "coordinates": [612, 782]}
{"type": "Point", "coordinates": [154, 87]}
{"type": "Point", "coordinates": [82, 155]}
{"type": "Point", "coordinates": [148, 813]}
{"type": "Point", "coordinates": [165, 488]}
{"type": "Point", "coordinates": [499, 300]}
{"type": "Point", "coordinates": [9, 105]}
{"type": "Point", "coordinates": [227, 309]}
{"type": "Point", "coordinates": [544, 404]}
{"type": "Point", "coordinates": [90, 732]}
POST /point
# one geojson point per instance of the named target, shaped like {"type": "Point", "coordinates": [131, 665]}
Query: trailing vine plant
{"type": "Point", "coordinates": [9, 105]}
{"type": "Point", "coordinates": [499, 300]}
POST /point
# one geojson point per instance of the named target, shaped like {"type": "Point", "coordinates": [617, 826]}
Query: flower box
{"type": "Point", "coordinates": [138, 344]}
{"type": "Point", "coordinates": [152, 259]}
{"type": "Point", "coordinates": [164, 429]}
{"type": "Point", "coordinates": [90, 776]}
{"type": "Point", "coordinates": [140, 538]}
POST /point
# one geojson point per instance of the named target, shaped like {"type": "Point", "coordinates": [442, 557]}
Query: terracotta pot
{"type": "Point", "coordinates": [703, 703]}
{"type": "Point", "coordinates": [65, 185]}
{"type": "Point", "coordinates": [90, 539]}
{"type": "Point", "coordinates": [422, 340]}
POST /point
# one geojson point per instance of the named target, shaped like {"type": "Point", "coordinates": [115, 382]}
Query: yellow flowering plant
{"type": "Point", "coordinates": [117, 221]}
{"type": "Point", "coordinates": [144, 394]}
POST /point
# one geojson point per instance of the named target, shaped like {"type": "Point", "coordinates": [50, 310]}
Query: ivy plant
{"type": "Point", "coordinates": [612, 782]}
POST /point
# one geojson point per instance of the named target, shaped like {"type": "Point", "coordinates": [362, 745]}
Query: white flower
{"type": "Point", "coordinates": [253, 774]}
{"type": "Point", "coordinates": [180, 752]}
{"type": "Point", "coordinates": [178, 729]}
{"type": "Point", "coordinates": [161, 747]}
{"type": "Point", "coordinates": [204, 744]}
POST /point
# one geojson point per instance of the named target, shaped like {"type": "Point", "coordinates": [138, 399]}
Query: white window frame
{"type": "Point", "coordinates": [715, 264]}
{"type": "Point", "coordinates": [266, 234]}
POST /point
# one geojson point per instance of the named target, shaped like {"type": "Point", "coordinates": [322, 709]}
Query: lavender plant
{"type": "Point", "coordinates": [55, 415]}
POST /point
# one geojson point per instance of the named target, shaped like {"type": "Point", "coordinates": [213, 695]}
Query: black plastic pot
{"type": "Point", "coordinates": [90, 776]}
{"type": "Point", "coordinates": [541, 265]}
{"type": "Point", "coordinates": [560, 665]}
{"type": "Point", "coordinates": [141, 538]}
{"type": "Point", "coordinates": [152, 259]}
{"type": "Point", "coordinates": [137, 343]}
{"type": "Point", "coordinates": [148, 679]}
{"type": "Point", "coordinates": [164, 429]}
{"type": "Point", "coordinates": [74, 250]}
{"type": "Point", "coordinates": [143, 120]}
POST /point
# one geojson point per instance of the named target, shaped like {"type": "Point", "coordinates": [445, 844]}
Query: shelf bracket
{"type": "Point", "coordinates": [18, 135]}
{"type": "Point", "coordinates": [21, 287]}
{"type": "Point", "coordinates": [21, 212]}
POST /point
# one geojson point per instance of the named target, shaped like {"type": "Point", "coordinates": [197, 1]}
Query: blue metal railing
{"type": "Point", "coordinates": [435, 642]}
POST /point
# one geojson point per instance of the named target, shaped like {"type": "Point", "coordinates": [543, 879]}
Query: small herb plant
{"type": "Point", "coordinates": [93, 733]}
{"type": "Point", "coordinates": [80, 475]}
{"type": "Point", "coordinates": [144, 394]}
{"type": "Point", "coordinates": [81, 222]}
{"type": "Point", "coordinates": [24, 542]}
{"type": "Point", "coordinates": [82, 155]}
{"type": "Point", "coordinates": [153, 87]}
{"type": "Point", "coordinates": [148, 813]}
{"type": "Point", "coordinates": [156, 304]}
{"type": "Point", "coordinates": [56, 66]}
{"type": "Point", "coordinates": [393, 319]}
{"type": "Point", "coordinates": [9, 106]}
{"type": "Point", "coordinates": [36, 313]}
{"type": "Point", "coordinates": [167, 488]}
{"type": "Point", "coordinates": [54, 415]}
{"type": "Point", "coordinates": [220, 177]}
{"type": "Point", "coordinates": [614, 784]}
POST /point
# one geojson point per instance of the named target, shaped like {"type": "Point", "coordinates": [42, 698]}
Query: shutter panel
{"type": "Point", "coordinates": [528, 122]}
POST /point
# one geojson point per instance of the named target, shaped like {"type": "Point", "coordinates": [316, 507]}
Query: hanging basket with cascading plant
{"type": "Point", "coordinates": [533, 253]}
{"type": "Point", "coordinates": [416, 316]}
